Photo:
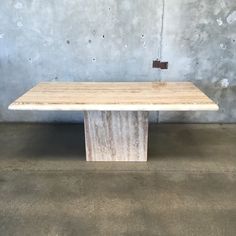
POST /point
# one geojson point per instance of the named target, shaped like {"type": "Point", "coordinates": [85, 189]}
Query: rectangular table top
{"type": "Point", "coordinates": [126, 96]}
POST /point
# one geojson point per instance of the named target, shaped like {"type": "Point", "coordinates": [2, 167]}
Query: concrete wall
{"type": "Point", "coordinates": [116, 40]}
{"type": "Point", "coordinates": [200, 43]}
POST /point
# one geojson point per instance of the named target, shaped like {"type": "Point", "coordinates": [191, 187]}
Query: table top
{"type": "Point", "coordinates": [122, 96]}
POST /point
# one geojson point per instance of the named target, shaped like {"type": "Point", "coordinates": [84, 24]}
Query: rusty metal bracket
{"type": "Point", "coordinates": [160, 65]}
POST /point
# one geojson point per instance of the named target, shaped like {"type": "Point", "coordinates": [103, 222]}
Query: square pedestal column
{"type": "Point", "coordinates": [116, 135]}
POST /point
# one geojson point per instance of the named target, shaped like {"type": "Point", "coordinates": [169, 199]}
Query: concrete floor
{"type": "Point", "coordinates": [188, 187]}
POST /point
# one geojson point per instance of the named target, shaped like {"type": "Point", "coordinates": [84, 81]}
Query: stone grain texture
{"type": "Point", "coordinates": [187, 187]}
{"type": "Point", "coordinates": [116, 135]}
{"type": "Point", "coordinates": [98, 40]}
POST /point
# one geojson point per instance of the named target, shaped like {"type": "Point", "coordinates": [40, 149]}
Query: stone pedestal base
{"type": "Point", "coordinates": [116, 135]}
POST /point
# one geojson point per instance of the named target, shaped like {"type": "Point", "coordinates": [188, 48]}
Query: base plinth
{"type": "Point", "coordinates": [116, 135]}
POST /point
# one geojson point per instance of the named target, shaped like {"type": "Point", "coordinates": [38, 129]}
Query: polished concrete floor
{"type": "Point", "coordinates": [188, 186]}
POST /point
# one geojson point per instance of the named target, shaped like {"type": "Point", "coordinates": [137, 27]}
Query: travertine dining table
{"type": "Point", "coordinates": [115, 113]}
